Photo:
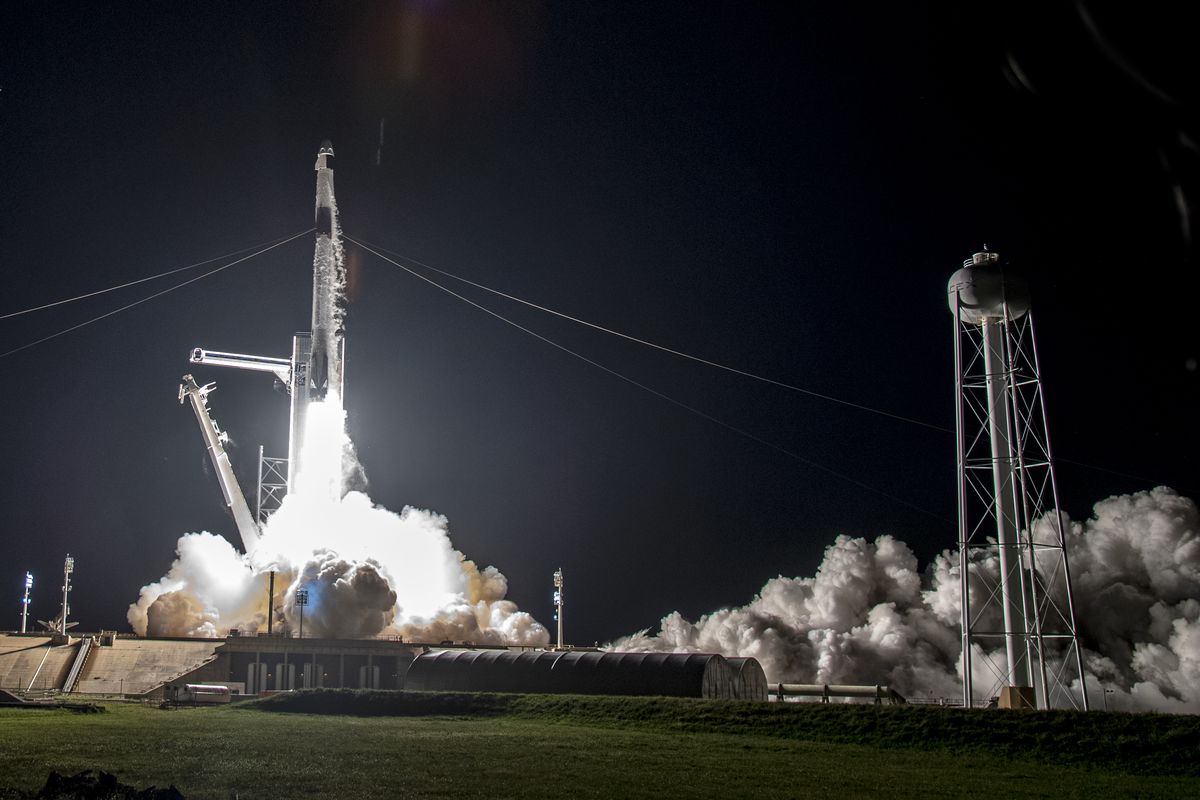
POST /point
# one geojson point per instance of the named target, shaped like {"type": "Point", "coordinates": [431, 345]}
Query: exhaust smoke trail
{"type": "Point", "coordinates": [368, 571]}
{"type": "Point", "coordinates": [869, 616]}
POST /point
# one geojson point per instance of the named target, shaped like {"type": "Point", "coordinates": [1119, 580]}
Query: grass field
{"type": "Point", "coordinates": [386, 745]}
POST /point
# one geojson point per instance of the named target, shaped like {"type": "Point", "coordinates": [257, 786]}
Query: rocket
{"type": "Point", "coordinates": [329, 280]}
{"type": "Point", "coordinates": [317, 371]}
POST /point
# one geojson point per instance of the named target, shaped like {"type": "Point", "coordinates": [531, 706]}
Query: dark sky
{"type": "Point", "coordinates": [784, 189]}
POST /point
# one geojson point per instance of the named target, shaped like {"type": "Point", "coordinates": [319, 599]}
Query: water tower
{"type": "Point", "coordinates": [1018, 611]}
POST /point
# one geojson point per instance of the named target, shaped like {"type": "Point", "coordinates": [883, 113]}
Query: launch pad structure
{"type": "Point", "coordinates": [110, 665]}
{"type": "Point", "coordinates": [313, 372]}
{"type": "Point", "coordinates": [1016, 595]}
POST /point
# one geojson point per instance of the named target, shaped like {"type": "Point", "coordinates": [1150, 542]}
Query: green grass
{"type": "Point", "coordinates": [1152, 744]}
{"type": "Point", "coordinates": [497, 746]}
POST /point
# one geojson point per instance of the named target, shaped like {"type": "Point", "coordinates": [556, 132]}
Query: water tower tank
{"type": "Point", "coordinates": [984, 290]}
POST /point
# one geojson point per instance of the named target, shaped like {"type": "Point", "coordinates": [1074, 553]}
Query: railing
{"type": "Point", "coordinates": [825, 691]}
{"type": "Point", "coordinates": [85, 649]}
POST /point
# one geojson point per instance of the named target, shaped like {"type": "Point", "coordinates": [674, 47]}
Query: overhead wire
{"type": "Point", "coordinates": [142, 280]}
{"type": "Point", "coordinates": [662, 396]}
{"type": "Point", "coordinates": [148, 298]}
{"type": "Point", "coordinates": [662, 348]}
{"type": "Point", "coordinates": [716, 364]}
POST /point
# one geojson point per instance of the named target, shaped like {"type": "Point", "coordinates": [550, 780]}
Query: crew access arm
{"type": "Point", "coordinates": [215, 439]}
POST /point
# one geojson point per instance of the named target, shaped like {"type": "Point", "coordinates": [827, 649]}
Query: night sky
{"type": "Point", "coordinates": [781, 189]}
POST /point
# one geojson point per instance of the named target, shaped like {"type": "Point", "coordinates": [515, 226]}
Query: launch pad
{"type": "Point", "coordinates": [133, 667]}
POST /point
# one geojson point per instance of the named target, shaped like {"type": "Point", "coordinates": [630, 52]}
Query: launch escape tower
{"type": "Point", "coordinates": [1015, 579]}
{"type": "Point", "coordinates": [313, 372]}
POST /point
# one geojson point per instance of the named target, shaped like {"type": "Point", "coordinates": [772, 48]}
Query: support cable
{"type": "Point", "coordinates": [715, 364]}
{"type": "Point", "coordinates": [153, 296]}
{"type": "Point", "coordinates": [663, 348]}
{"type": "Point", "coordinates": [655, 392]}
{"type": "Point", "coordinates": [142, 280]}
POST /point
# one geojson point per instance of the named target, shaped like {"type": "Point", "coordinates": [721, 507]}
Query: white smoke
{"type": "Point", "coordinates": [367, 571]}
{"type": "Point", "coordinates": [868, 616]}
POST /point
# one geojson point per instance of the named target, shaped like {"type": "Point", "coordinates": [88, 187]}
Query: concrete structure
{"type": "Point", "coordinates": [1005, 484]}
{"type": "Point", "coordinates": [584, 672]}
{"type": "Point", "coordinates": [98, 663]}
{"type": "Point", "coordinates": [124, 664]}
{"type": "Point", "coordinates": [133, 666]}
{"type": "Point", "coordinates": [34, 662]}
{"type": "Point", "coordinates": [272, 663]}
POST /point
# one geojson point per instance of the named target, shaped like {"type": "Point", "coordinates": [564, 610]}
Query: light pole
{"type": "Point", "coordinates": [25, 602]}
{"type": "Point", "coordinates": [1107, 692]}
{"type": "Point", "coordinates": [68, 568]}
{"type": "Point", "coordinates": [558, 603]}
{"type": "Point", "coordinates": [302, 601]}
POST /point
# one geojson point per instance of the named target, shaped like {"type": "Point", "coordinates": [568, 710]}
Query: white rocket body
{"type": "Point", "coordinates": [318, 371]}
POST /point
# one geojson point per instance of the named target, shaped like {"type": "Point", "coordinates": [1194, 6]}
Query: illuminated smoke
{"type": "Point", "coordinates": [868, 616]}
{"type": "Point", "coordinates": [368, 571]}
{"type": "Point", "coordinates": [209, 589]}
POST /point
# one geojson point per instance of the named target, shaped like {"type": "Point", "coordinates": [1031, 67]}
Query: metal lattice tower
{"type": "Point", "coordinates": [272, 486]}
{"type": "Point", "coordinates": [1018, 613]}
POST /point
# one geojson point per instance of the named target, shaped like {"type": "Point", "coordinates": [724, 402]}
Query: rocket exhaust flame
{"type": "Point", "coordinates": [368, 571]}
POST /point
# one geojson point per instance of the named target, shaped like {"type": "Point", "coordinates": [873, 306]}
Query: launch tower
{"type": "Point", "coordinates": [314, 371]}
{"type": "Point", "coordinates": [1016, 582]}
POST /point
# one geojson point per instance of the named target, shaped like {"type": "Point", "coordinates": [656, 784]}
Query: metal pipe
{"type": "Point", "coordinates": [963, 560]}
{"type": "Point", "coordinates": [996, 372]}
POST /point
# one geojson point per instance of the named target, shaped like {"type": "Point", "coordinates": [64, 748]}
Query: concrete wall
{"type": "Point", "coordinates": [136, 666]}
{"type": "Point", "coordinates": [34, 659]}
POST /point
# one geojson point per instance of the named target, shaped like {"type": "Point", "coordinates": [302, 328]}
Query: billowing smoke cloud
{"type": "Point", "coordinates": [209, 589]}
{"type": "Point", "coordinates": [868, 616]}
{"type": "Point", "coordinates": [367, 571]}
